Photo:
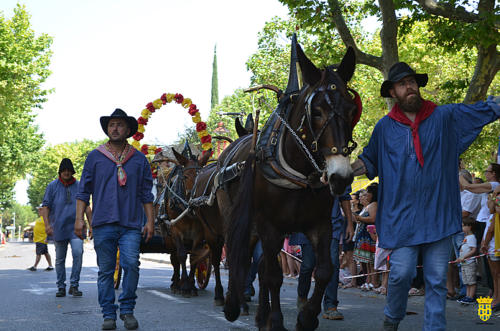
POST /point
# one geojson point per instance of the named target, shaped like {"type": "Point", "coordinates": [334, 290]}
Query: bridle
{"type": "Point", "coordinates": [335, 113]}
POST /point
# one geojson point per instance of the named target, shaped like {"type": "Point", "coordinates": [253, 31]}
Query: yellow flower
{"type": "Point", "coordinates": [170, 97]}
{"type": "Point", "coordinates": [202, 133]}
{"type": "Point", "coordinates": [136, 144]}
{"type": "Point", "coordinates": [186, 103]}
{"type": "Point", "coordinates": [145, 113]}
{"type": "Point", "coordinates": [157, 103]}
{"type": "Point", "coordinates": [140, 128]}
{"type": "Point", "coordinates": [196, 118]}
{"type": "Point", "coordinates": [206, 146]}
{"type": "Point", "coordinates": [151, 149]}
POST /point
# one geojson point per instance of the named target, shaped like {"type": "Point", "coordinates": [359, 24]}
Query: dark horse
{"type": "Point", "coordinates": [280, 190]}
{"type": "Point", "coordinates": [187, 232]}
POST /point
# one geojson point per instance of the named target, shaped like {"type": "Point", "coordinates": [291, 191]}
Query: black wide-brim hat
{"type": "Point", "coordinates": [397, 72]}
{"type": "Point", "coordinates": [66, 164]}
{"type": "Point", "coordinates": [118, 113]}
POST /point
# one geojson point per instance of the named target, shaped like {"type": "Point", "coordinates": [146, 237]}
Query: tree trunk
{"type": "Point", "coordinates": [487, 65]}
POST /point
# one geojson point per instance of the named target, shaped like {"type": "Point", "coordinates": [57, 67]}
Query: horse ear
{"type": "Point", "coordinates": [310, 74]}
{"type": "Point", "coordinates": [240, 130]}
{"type": "Point", "coordinates": [180, 158]}
{"type": "Point", "coordinates": [205, 157]}
{"type": "Point", "coordinates": [347, 66]}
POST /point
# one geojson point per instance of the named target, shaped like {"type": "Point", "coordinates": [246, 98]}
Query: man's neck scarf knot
{"type": "Point", "coordinates": [425, 111]}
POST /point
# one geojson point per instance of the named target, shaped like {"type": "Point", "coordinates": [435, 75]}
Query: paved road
{"type": "Point", "coordinates": [28, 301]}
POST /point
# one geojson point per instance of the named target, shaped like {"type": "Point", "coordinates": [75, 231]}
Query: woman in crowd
{"type": "Point", "coordinates": [348, 248]}
{"type": "Point", "coordinates": [364, 247]}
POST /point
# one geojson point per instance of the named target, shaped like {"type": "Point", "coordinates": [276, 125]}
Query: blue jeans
{"type": "Point", "coordinates": [330, 299]}
{"type": "Point", "coordinates": [403, 262]}
{"type": "Point", "coordinates": [77, 253]}
{"type": "Point", "coordinates": [254, 267]}
{"type": "Point", "coordinates": [107, 238]}
{"type": "Point", "coordinates": [456, 241]}
{"type": "Point", "coordinates": [306, 270]}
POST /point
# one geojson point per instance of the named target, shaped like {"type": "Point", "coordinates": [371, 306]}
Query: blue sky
{"type": "Point", "coordinates": [126, 53]}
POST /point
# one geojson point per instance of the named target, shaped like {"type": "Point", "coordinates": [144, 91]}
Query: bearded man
{"type": "Point", "coordinates": [119, 180]}
{"type": "Point", "coordinates": [415, 151]}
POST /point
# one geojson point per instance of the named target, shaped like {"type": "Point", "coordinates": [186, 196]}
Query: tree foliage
{"type": "Point", "coordinates": [47, 166]}
{"type": "Point", "coordinates": [24, 62]}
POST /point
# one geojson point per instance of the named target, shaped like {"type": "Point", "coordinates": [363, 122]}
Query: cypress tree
{"type": "Point", "coordinates": [215, 82]}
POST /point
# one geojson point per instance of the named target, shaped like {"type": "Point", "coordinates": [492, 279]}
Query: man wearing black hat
{"type": "Point", "coordinates": [58, 212]}
{"type": "Point", "coordinates": [119, 179]}
{"type": "Point", "coordinates": [414, 151]}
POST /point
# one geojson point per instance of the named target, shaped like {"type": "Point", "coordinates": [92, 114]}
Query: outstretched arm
{"type": "Point", "coordinates": [358, 168]}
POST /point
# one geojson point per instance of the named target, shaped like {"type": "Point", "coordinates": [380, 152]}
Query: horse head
{"type": "Point", "coordinates": [190, 167]}
{"type": "Point", "coordinates": [325, 113]}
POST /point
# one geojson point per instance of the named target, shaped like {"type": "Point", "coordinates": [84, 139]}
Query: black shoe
{"type": "Point", "coordinates": [61, 292]}
{"type": "Point", "coordinates": [32, 269]}
{"type": "Point", "coordinates": [109, 324]}
{"type": "Point", "coordinates": [389, 326]}
{"type": "Point", "coordinates": [49, 269]}
{"type": "Point", "coordinates": [129, 321]}
{"type": "Point", "coordinates": [74, 291]}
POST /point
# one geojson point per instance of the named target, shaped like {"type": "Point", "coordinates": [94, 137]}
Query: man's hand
{"type": "Point", "coordinates": [49, 231]}
{"type": "Point", "coordinates": [484, 248]}
{"type": "Point", "coordinates": [149, 230]}
{"type": "Point", "coordinates": [80, 228]}
{"type": "Point", "coordinates": [358, 168]}
{"type": "Point", "coordinates": [349, 232]}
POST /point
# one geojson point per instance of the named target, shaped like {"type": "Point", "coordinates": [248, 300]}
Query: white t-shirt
{"type": "Point", "coordinates": [468, 243]}
{"type": "Point", "coordinates": [491, 246]}
{"type": "Point", "coordinates": [471, 202]}
{"type": "Point", "coordinates": [484, 214]}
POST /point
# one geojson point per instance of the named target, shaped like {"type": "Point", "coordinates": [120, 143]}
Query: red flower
{"type": "Point", "coordinates": [206, 139]}
{"type": "Point", "coordinates": [209, 151]}
{"type": "Point", "coordinates": [154, 175]}
{"type": "Point", "coordinates": [144, 149]}
{"type": "Point", "coordinates": [192, 109]}
{"type": "Point", "coordinates": [200, 126]}
{"type": "Point", "coordinates": [142, 120]}
{"type": "Point", "coordinates": [158, 150]}
{"type": "Point", "coordinates": [164, 98]}
{"type": "Point", "coordinates": [150, 107]}
{"type": "Point", "coordinates": [138, 136]}
{"type": "Point", "coordinates": [178, 98]}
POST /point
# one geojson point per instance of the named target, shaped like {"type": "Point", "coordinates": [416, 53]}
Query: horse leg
{"type": "Point", "coordinates": [216, 251]}
{"type": "Point", "coordinates": [182, 257]}
{"type": "Point", "coordinates": [193, 291]}
{"type": "Point", "coordinates": [272, 277]}
{"type": "Point", "coordinates": [307, 318]}
{"type": "Point", "coordinates": [264, 307]}
{"type": "Point", "coordinates": [175, 287]}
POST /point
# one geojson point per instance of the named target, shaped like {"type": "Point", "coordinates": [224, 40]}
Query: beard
{"type": "Point", "coordinates": [410, 104]}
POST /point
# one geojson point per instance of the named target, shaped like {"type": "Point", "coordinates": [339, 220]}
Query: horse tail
{"type": "Point", "coordinates": [238, 241]}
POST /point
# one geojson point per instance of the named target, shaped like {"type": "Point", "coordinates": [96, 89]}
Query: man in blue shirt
{"type": "Point", "coordinates": [58, 212]}
{"type": "Point", "coordinates": [119, 179]}
{"type": "Point", "coordinates": [414, 151]}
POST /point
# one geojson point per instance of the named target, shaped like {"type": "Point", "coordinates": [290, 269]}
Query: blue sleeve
{"type": "Point", "coordinates": [469, 120]}
{"type": "Point", "coordinates": [147, 184]}
{"type": "Point", "coordinates": [370, 153]}
{"type": "Point", "coordinates": [48, 197]}
{"type": "Point", "coordinates": [86, 185]}
{"type": "Point", "coordinates": [347, 194]}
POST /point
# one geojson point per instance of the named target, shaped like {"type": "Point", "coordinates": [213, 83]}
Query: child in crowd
{"type": "Point", "coordinates": [467, 250]}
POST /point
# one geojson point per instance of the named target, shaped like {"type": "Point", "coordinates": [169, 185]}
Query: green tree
{"type": "Point", "coordinates": [24, 62]}
{"type": "Point", "coordinates": [23, 214]}
{"type": "Point", "coordinates": [47, 166]}
{"type": "Point", "coordinates": [215, 81]}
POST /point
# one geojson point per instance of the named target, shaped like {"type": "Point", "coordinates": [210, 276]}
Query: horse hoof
{"type": "Point", "coordinates": [219, 302]}
{"type": "Point", "coordinates": [231, 313]}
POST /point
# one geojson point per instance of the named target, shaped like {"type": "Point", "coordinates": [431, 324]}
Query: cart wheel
{"type": "Point", "coordinates": [117, 276]}
{"type": "Point", "coordinates": [203, 270]}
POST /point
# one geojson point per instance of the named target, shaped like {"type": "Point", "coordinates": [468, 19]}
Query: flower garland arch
{"type": "Point", "coordinates": [151, 107]}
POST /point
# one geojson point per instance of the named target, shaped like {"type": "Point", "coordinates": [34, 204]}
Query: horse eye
{"type": "Point", "coordinates": [316, 113]}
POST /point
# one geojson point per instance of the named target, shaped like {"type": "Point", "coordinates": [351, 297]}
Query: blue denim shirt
{"type": "Point", "coordinates": [112, 203]}
{"type": "Point", "coordinates": [418, 205]}
{"type": "Point", "coordinates": [61, 202]}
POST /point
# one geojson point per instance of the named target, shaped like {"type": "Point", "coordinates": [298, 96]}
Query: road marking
{"type": "Point", "coordinates": [166, 296]}
{"type": "Point", "coordinates": [223, 319]}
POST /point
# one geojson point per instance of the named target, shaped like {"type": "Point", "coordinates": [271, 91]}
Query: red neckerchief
{"type": "Point", "coordinates": [425, 111]}
{"type": "Point", "coordinates": [119, 160]}
{"type": "Point", "coordinates": [69, 182]}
